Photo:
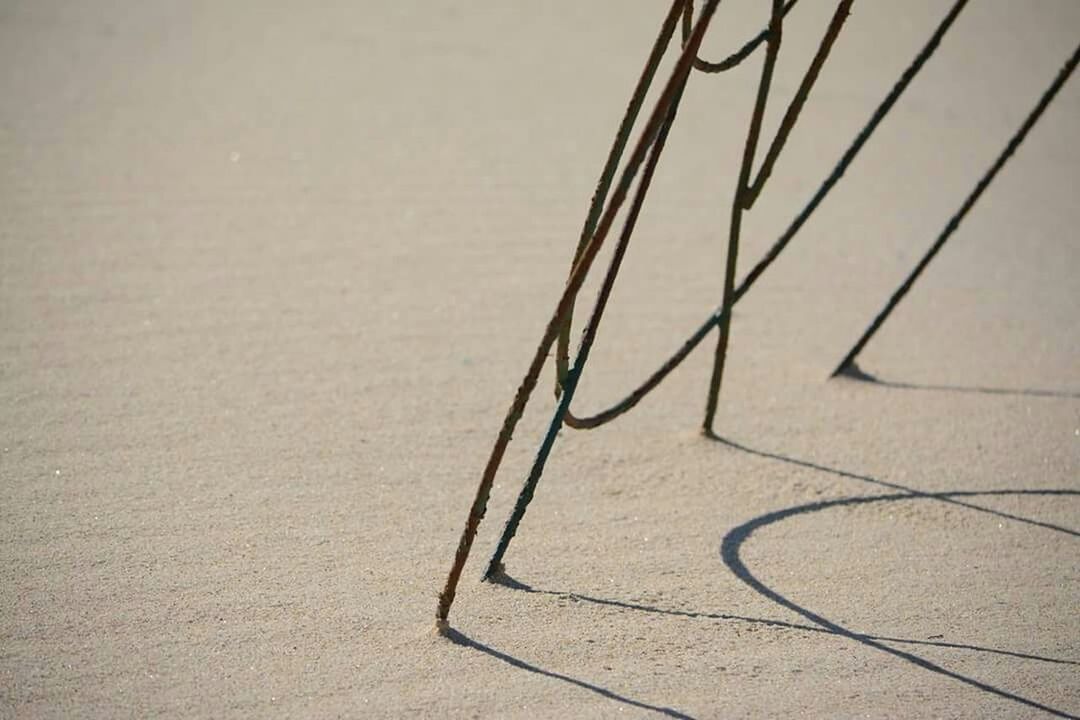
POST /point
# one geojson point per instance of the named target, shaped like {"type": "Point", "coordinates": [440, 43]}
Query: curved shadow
{"type": "Point", "coordinates": [942, 497]}
{"type": "Point", "coordinates": [854, 372]}
{"type": "Point", "coordinates": [730, 552]}
{"type": "Point", "coordinates": [733, 542]}
{"type": "Point", "coordinates": [514, 584]}
{"type": "Point", "coordinates": [465, 641]}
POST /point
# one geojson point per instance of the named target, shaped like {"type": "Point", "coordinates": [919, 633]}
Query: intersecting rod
{"type": "Point", "coordinates": [739, 55]}
{"type": "Point", "coordinates": [653, 381]}
{"type": "Point", "coordinates": [618, 146]}
{"type": "Point", "coordinates": [847, 365]}
{"type": "Point", "coordinates": [603, 185]}
{"type": "Point", "coordinates": [587, 339]}
{"type": "Point", "coordinates": [748, 191]}
{"type": "Point", "coordinates": [562, 360]}
{"type": "Point", "coordinates": [791, 116]}
{"type": "Point", "coordinates": [771, 51]}
{"type": "Point", "coordinates": [577, 278]}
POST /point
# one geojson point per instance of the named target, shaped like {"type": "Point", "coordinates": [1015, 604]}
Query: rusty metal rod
{"type": "Point", "coordinates": [880, 113]}
{"type": "Point", "coordinates": [607, 174]}
{"type": "Point", "coordinates": [588, 337]}
{"type": "Point", "coordinates": [577, 277]}
{"type": "Point", "coordinates": [772, 50]}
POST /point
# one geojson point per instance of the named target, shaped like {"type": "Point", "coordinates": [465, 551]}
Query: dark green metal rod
{"type": "Point", "coordinates": [847, 365]}
{"type": "Point", "coordinates": [677, 84]}
{"type": "Point", "coordinates": [748, 191]}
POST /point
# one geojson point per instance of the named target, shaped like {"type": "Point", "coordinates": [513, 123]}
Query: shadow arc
{"type": "Point", "coordinates": [733, 541]}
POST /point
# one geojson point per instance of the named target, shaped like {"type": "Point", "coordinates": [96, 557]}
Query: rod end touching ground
{"type": "Point", "coordinates": [496, 572]}
{"type": "Point", "coordinates": [852, 371]}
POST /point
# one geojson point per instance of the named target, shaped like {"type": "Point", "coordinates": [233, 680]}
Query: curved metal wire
{"type": "Point", "coordinates": [602, 217]}
{"type": "Point", "coordinates": [618, 146]}
{"type": "Point", "coordinates": [638, 394]}
{"type": "Point", "coordinates": [739, 55]}
{"type": "Point", "coordinates": [577, 277]}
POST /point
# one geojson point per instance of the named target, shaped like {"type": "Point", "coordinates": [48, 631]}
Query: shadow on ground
{"type": "Point", "coordinates": [465, 641]}
{"type": "Point", "coordinates": [513, 584]}
{"type": "Point", "coordinates": [733, 541]}
{"type": "Point", "coordinates": [951, 498]}
{"type": "Point", "coordinates": [857, 374]}
{"type": "Point", "coordinates": [730, 552]}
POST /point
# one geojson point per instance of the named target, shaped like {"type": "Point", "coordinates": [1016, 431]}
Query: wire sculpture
{"type": "Point", "coordinates": [607, 201]}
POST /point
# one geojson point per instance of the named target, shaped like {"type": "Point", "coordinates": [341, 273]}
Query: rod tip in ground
{"type": "Point", "coordinates": [852, 371]}
{"type": "Point", "coordinates": [442, 627]}
{"type": "Point", "coordinates": [496, 572]}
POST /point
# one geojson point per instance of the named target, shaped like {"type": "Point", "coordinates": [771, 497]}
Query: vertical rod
{"type": "Point", "coordinates": [771, 52]}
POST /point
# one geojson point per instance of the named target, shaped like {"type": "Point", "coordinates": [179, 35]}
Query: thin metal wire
{"type": "Point", "coordinates": [772, 50]}
{"type": "Point", "coordinates": [739, 55]}
{"type": "Point", "coordinates": [651, 141]}
{"type": "Point", "coordinates": [577, 277]}
{"type": "Point", "coordinates": [562, 356]}
{"type": "Point", "coordinates": [596, 205]}
{"type": "Point", "coordinates": [560, 415]}
{"type": "Point", "coordinates": [638, 394]}
{"type": "Point", "coordinates": [750, 193]}
{"type": "Point", "coordinates": [589, 336]}
{"type": "Point", "coordinates": [747, 192]}
{"type": "Point", "coordinates": [847, 365]}
{"type": "Point", "coordinates": [603, 185]}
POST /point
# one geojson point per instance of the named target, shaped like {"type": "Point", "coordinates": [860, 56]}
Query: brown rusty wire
{"type": "Point", "coordinates": [618, 146]}
{"type": "Point", "coordinates": [653, 381]}
{"type": "Point", "coordinates": [577, 277]}
{"type": "Point", "coordinates": [747, 191]}
{"type": "Point", "coordinates": [601, 217]}
{"type": "Point", "coordinates": [573, 376]}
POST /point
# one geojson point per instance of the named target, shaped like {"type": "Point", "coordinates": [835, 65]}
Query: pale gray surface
{"type": "Point", "coordinates": [270, 273]}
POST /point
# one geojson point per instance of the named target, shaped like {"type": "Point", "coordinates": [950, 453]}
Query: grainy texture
{"type": "Point", "coordinates": [269, 275]}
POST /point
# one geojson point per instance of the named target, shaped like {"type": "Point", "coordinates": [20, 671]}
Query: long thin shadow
{"type": "Point", "coordinates": [856, 373]}
{"type": "Point", "coordinates": [893, 486]}
{"type": "Point", "coordinates": [733, 542]}
{"type": "Point", "coordinates": [465, 641]}
{"type": "Point", "coordinates": [510, 582]}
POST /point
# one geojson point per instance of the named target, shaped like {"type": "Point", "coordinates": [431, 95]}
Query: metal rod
{"type": "Point", "coordinates": [588, 337]}
{"type": "Point", "coordinates": [847, 365]}
{"type": "Point", "coordinates": [776, 23]}
{"type": "Point", "coordinates": [577, 278]}
{"type": "Point", "coordinates": [653, 381]}
{"type": "Point", "coordinates": [607, 174]}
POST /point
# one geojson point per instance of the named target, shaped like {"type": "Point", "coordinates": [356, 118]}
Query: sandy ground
{"type": "Point", "coordinates": [270, 274]}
